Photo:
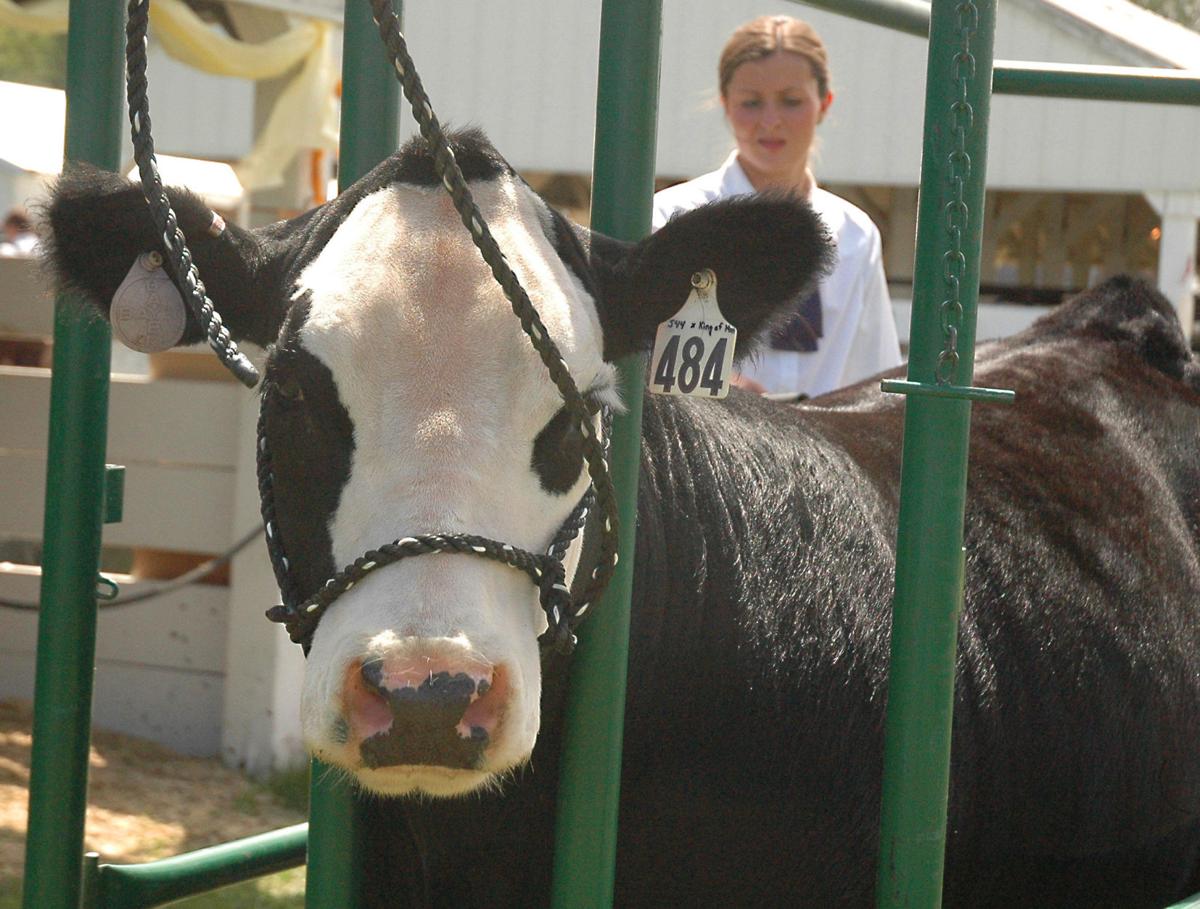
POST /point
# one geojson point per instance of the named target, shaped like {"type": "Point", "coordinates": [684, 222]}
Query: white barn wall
{"type": "Point", "coordinates": [195, 114]}
{"type": "Point", "coordinates": [200, 670]}
{"type": "Point", "coordinates": [525, 70]}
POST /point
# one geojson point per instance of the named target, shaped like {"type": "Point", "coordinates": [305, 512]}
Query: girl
{"type": "Point", "coordinates": [774, 83]}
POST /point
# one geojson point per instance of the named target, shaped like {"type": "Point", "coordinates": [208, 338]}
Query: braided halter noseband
{"type": "Point", "coordinates": [564, 609]}
{"type": "Point", "coordinates": [299, 613]}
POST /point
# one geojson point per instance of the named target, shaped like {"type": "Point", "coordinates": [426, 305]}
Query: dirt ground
{"type": "Point", "coordinates": [144, 801]}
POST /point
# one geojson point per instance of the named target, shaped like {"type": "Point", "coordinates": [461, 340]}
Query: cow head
{"type": "Point", "coordinates": [401, 397]}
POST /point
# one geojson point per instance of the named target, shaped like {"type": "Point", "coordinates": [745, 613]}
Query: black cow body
{"type": "Point", "coordinates": [765, 560]}
{"type": "Point", "coordinates": [759, 644]}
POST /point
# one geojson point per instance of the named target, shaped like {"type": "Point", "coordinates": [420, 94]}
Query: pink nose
{"type": "Point", "coordinates": [427, 711]}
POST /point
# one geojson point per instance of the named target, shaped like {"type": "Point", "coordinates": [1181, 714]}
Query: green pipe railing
{"type": "Point", "coordinates": [156, 883]}
{"type": "Point", "coordinates": [909, 16]}
{"type": "Point", "coordinates": [1053, 80]}
{"type": "Point", "coordinates": [929, 554]}
{"type": "Point", "coordinates": [1098, 83]}
{"type": "Point", "coordinates": [370, 131]}
{"type": "Point", "coordinates": [74, 498]}
{"type": "Point", "coordinates": [622, 189]}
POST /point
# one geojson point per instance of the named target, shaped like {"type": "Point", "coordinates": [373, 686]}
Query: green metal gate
{"type": "Point", "coordinates": [929, 548]}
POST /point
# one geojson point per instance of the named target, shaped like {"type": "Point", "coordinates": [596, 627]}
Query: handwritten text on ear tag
{"type": "Point", "coordinates": [693, 350]}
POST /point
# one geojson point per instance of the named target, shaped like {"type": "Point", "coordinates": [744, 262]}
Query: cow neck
{"type": "Point", "coordinates": [564, 606]}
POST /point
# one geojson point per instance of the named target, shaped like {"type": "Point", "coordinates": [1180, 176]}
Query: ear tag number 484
{"type": "Point", "coordinates": [693, 350]}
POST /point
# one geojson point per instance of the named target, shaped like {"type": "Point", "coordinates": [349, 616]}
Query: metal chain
{"type": "Point", "coordinates": [447, 168]}
{"type": "Point", "coordinates": [954, 260]}
{"type": "Point", "coordinates": [179, 258]}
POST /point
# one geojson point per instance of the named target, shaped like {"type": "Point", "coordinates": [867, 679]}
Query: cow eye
{"type": "Point", "coordinates": [289, 389]}
{"type": "Point", "coordinates": [558, 454]}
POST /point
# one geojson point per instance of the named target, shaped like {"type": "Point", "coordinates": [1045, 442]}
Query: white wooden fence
{"type": "Point", "coordinates": [200, 670]}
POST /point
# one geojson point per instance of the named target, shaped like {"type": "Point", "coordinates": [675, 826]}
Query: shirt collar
{"type": "Point", "coordinates": [734, 181]}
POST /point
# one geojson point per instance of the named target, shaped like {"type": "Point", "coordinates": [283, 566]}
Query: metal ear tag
{"type": "Point", "coordinates": [693, 350]}
{"type": "Point", "coordinates": [148, 314]}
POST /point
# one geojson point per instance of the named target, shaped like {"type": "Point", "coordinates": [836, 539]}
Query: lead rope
{"type": "Point", "coordinates": [178, 260]}
{"type": "Point", "coordinates": [452, 178]}
{"type": "Point", "coordinates": [563, 613]}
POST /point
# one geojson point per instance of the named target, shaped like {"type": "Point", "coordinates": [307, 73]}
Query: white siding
{"type": "Point", "coordinates": [161, 666]}
{"type": "Point", "coordinates": [525, 70]}
{"type": "Point", "coordinates": [196, 114]}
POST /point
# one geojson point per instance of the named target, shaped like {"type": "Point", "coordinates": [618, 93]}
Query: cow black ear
{"type": "Point", "coordinates": [766, 250]}
{"type": "Point", "coordinates": [97, 224]}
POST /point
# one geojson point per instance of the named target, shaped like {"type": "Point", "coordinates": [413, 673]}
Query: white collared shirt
{"type": "Point", "coordinates": [858, 329]}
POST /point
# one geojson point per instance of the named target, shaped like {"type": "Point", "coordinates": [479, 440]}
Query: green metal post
{"type": "Point", "coordinates": [369, 133]}
{"type": "Point", "coordinates": [370, 127]}
{"type": "Point", "coordinates": [929, 559]}
{"type": "Point", "coordinates": [622, 188]}
{"type": "Point", "coordinates": [74, 498]}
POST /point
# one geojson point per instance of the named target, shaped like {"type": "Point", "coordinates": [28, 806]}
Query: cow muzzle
{"type": "Point", "coordinates": [434, 710]}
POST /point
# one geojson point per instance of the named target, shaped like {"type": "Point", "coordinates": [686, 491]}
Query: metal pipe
{"type": "Point", "coordinates": [156, 883]}
{"type": "Point", "coordinates": [1051, 80]}
{"type": "Point", "coordinates": [622, 189]}
{"type": "Point", "coordinates": [911, 16]}
{"type": "Point", "coordinates": [335, 843]}
{"type": "Point", "coordinates": [370, 132]}
{"type": "Point", "coordinates": [929, 554]}
{"type": "Point", "coordinates": [1099, 83]}
{"type": "Point", "coordinates": [370, 124]}
{"type": "Point", "coordinates": [74, 498]}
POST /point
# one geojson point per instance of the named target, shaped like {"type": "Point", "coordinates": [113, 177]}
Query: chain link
{"type": "Point", "coordinates": [954, 261]}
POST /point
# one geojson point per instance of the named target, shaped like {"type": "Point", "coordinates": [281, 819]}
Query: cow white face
{"type": "Point", "coordinates": [401, 397]}
{"type": "Point", "coordinates": [446, 401]}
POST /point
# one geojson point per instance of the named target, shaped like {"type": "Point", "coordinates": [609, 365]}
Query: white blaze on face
{"type": "Point", "coordinates": [446, 396]}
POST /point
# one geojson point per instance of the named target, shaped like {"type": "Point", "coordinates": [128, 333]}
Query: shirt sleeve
{"type": "Point", "coordinates": [662, 212]}
{"type": "Point", "coordinates": [876, 344]}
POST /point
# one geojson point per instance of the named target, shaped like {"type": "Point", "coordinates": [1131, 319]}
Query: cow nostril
{"type": "Point", "coordinates": [483, 714]}
{"type": "Point", "coordinates": [367, 710]}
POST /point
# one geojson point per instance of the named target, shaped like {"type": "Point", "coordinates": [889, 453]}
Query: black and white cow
{"type": "Point", "coordinates": [401, 397]}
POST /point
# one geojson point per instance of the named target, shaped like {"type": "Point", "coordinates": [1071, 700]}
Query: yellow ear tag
{"type": "Point", "coordinates": [693, 350]}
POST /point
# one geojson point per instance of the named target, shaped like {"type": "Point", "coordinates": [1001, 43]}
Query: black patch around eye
{"type": "Point", "coordinates": [310, 441]}
{"type": "Point", "coordinates": [290, 389]}
{"type": "Point", "coordinates": [558, 454]}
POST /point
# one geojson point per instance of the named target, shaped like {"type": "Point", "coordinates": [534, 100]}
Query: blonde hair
{"type": "Point", "coordinates": [761, 37]}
